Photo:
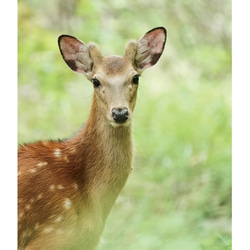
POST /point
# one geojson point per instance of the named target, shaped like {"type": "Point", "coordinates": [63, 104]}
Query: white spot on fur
{"type": "Point", "coordinates": [32, 170]}
{"type": "Point", "coordinates": [39, 197]}
{"type": "Point", "coordinates": [67, 203]}
{"type": "Point", "coordinates": [59, 219]}
{"type": "Point", "coordinates": [52, 187]}
{"type": "Point", "coordinates": [42, 164]}
{"type": "Point", "coordinates": [58, 153]}
{"type": "Point", "coordinates": [27, 207]}
{"type": "Point", "coordinates": [75, 186]}
{"type": "Point", "coordinates": [60, 187]}
{"type": "Point", "coordinates": [48, 230]}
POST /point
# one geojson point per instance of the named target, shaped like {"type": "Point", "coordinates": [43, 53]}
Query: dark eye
{"type": "Point", "coordinates": [96, 82]}
{"type": "Point", "coordinates": [135, 79]}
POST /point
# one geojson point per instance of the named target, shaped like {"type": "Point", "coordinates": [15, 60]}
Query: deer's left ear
{"type": "Point", "coordinates": [150, 48]}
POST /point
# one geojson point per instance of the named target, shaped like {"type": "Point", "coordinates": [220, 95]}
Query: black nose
{"type": "Point", "coordinates": [120, 115]}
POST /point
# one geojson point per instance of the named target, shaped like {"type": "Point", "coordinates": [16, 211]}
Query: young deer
{"type": "Point", "coordinates": [66, 189]}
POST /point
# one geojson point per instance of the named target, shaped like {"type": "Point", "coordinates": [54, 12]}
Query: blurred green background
{"type": "Point", "coordinates": [179, 195]}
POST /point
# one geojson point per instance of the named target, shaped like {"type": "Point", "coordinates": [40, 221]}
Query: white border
{"type": "Point", "coordinates": [8, 129]}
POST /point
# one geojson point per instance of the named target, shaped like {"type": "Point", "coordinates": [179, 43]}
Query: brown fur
{"type": "Point", "coordinates": [66, 177]}
{"type": "Point", "coordinates": [66, 189]}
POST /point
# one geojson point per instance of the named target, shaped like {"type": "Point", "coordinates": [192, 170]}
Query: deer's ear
{"type": "Point", "coordinates": [75, 53]}
{"type": "Point", "coordinates": [150, 47]}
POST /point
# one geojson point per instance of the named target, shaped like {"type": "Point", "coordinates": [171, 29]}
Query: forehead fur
{"type": "Point", "coordinates": [115, 64]}
{"type": "Point", "coordinates": [112, 65]}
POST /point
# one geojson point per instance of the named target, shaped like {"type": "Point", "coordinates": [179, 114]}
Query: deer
{"type": "Point", "coordinates": [66, 188]}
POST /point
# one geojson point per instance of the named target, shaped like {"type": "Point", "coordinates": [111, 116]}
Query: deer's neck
{"type": "Point", "coordinates": [104, 156]}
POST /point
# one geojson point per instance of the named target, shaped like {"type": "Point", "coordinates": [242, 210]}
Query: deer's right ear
{"type": "Point", "coordinates": [150, 47]}
{"type": "Point", "coordinates": [75, 53]}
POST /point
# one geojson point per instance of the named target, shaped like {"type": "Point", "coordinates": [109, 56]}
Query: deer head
{"type": "Point", "coordinates": [115, 78]}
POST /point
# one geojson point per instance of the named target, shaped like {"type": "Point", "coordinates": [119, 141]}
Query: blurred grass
{"type": "Point", "coordinates": [179, 195]}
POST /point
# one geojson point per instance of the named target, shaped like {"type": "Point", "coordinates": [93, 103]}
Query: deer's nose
{"type": "Point", "coordinates": [120, 115]}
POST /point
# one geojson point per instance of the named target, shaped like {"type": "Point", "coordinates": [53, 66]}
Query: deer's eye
{"type": "Point", "coordinates": [135, 79]}
{"type": "Point", "coordinates": [96, 82]}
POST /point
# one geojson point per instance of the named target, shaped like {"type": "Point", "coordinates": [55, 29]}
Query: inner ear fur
{"type": "Point", "coordinates": [75, 53]}
{"type": "Point", "coordinates": [150, 47]}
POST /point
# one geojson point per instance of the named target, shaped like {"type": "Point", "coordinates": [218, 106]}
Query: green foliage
{"type": "Point", "coordinates": [179, 195]}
